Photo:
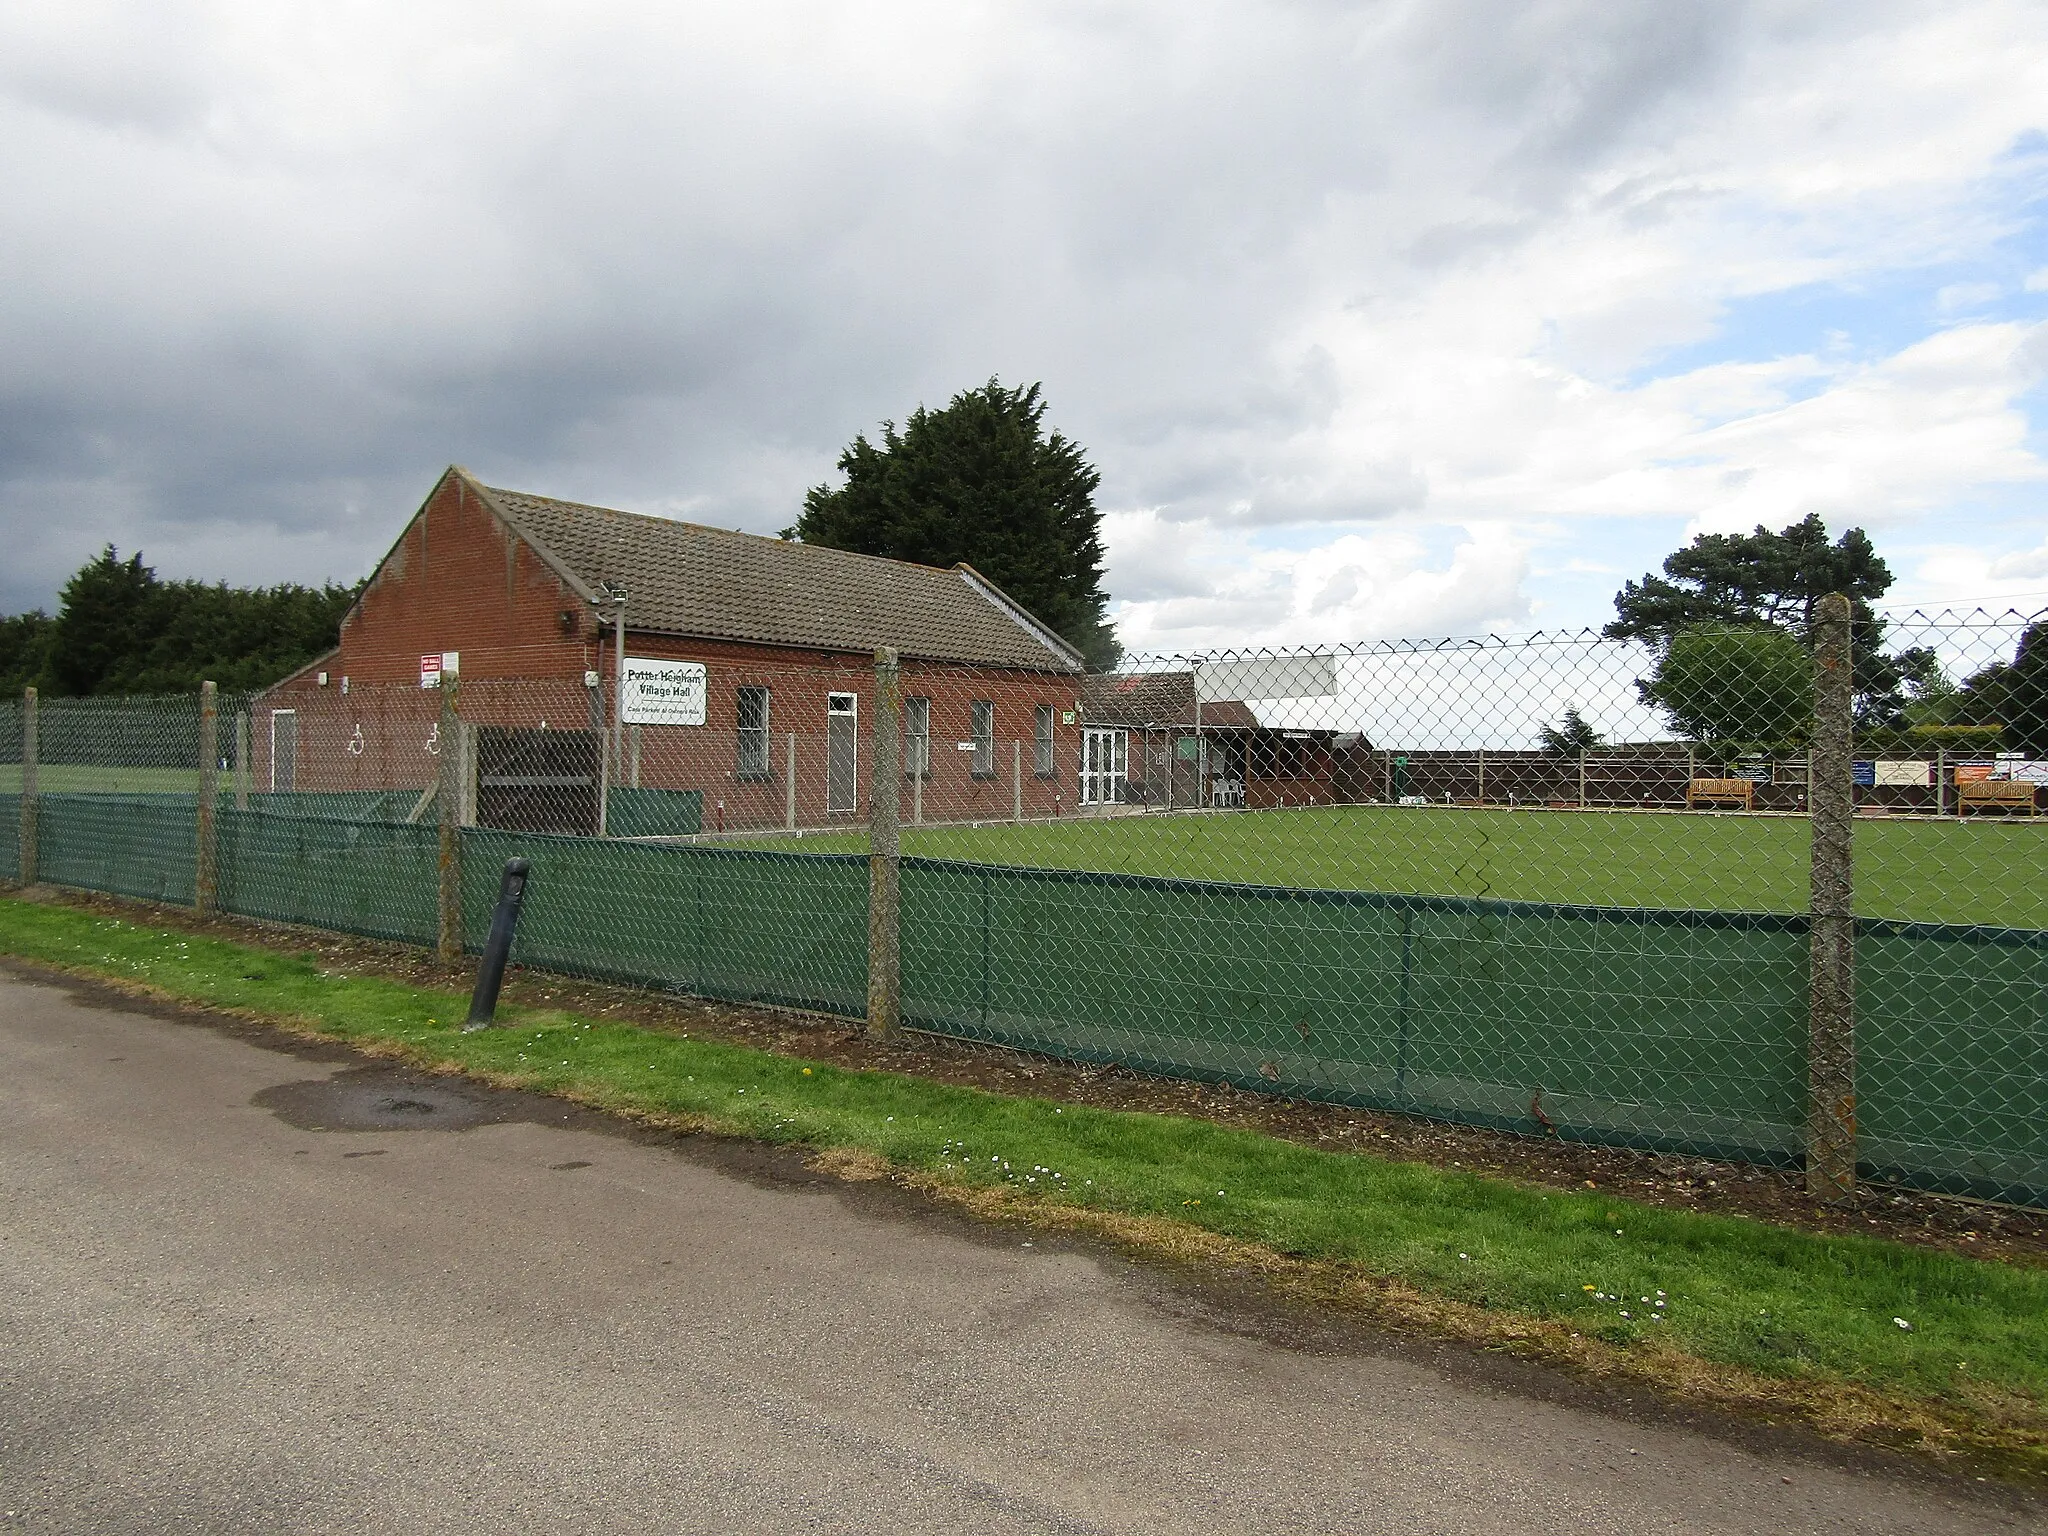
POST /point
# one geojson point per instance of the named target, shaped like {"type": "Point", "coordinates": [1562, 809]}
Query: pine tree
{"type": "Point", "coordinates": [1728, 581]}
{"type": "Point", "coordinates": [111, 610]}
{"type": "Point", "coordinates": [1571, 735]}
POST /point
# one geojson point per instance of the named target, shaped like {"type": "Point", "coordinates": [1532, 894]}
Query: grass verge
{"type": "Point", "coordinates": [1754, 1316]}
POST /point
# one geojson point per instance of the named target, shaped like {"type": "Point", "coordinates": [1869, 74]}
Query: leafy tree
{"type": "Point", "coordinates": [2014, 693]}
{"type": "Point", "coordinates": [1777, 579]}
{"type": "Point", "coordinates": [1570, 736]}
{"type": "Point", "coordinates": [1729, 685]}
{"type": "Point", "coordinates": [980, 481]}
{"type": "Point", "coordinates": [121, 629]}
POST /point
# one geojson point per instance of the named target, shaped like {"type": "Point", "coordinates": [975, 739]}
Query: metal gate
{"type": "Point", "coordinates": [842, 752]}
{"type": "Point", "coordinates": [537, 781]}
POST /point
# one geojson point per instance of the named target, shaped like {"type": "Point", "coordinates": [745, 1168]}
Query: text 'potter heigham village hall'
{"type": "Point", "coordinates": [707, 678]}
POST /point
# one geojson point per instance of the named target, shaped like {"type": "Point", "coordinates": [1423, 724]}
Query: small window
{"type": "Point", "coordinates": [753, 733]}
{"type": "Point", "coordinates": [1041, 743]}
{"type": "Point", "coordinates": [982, 716]}
{"type": "Point", "coordinates": [917, 738]}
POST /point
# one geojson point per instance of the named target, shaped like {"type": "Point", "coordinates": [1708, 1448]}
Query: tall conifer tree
{"type": "Point", "coordinates": [981, 481]}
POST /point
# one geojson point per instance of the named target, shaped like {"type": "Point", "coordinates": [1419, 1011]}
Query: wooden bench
{"type": "Point", "coordinates": [2009, 795]}
{"type": "Point", "coordinates": [1738, 793]}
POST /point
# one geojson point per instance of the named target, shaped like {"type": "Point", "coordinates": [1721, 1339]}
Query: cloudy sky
{"type": "Point", "coordinates": [1378, 318]}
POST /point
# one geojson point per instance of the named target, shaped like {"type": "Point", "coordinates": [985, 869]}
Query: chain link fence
{"type": "Point", "coordinates": [1726, 892]}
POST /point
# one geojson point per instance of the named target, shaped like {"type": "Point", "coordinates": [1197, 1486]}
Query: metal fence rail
{"type": "Point", "coordinates": [1704, 896]}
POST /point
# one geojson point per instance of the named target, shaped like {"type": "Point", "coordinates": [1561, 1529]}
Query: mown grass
{"type": "Point", "coordinates": [1980, 870]}
{"type": "Point", "coordinates": [81, 779]}
{"type": "Point", "coordinates": [1796, 1308]}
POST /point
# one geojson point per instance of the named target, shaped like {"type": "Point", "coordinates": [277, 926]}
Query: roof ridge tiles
{"type": "Point", "coordinates": [664, 521]}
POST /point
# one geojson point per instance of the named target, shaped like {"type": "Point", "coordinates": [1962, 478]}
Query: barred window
{"type": "Point", "coordinates": [982, 715]}
{"type": "Point", "coordinates": [1041, 743]}
{"type": "Point", "coordinates": [917, 738]}
{"type": "Point", "coordinates": [753, 733]}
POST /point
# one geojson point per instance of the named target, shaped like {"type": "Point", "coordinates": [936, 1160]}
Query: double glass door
{"type": "Point", "coordinates": [1105, 765]}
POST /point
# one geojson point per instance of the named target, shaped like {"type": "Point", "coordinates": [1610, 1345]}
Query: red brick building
{"type": "Point", "coordinates": [749, 672]}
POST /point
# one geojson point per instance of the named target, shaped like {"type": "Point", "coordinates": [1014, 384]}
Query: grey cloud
{"type": "Point", "coordinates": [636, 260]}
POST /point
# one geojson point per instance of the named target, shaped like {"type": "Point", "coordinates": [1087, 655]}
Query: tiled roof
{"type": "Point", "coordinates": [1157, 698]}
{"type": "Point", "coordinates": [686, 579]}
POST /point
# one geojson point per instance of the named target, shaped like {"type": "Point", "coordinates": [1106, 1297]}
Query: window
{"type": "Point", "coordinates": [982, 716]}
{"type": "Point", "coordinates": [1041, 744]}
{"type": "Point", "coordinates": [753, 733]}
{"type": "Point", "coordinates": [917, 738]}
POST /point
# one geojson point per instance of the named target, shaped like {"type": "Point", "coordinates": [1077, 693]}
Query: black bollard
{"type": "Point", "coordinates": [490, 974]}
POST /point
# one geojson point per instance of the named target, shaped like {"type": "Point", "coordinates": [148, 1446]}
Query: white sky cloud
{"type": "Point", "coordinates": [1366, 313]}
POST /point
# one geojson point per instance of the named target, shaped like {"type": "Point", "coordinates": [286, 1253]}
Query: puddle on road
{"type": "Point", "coordinates": [385, 1099]}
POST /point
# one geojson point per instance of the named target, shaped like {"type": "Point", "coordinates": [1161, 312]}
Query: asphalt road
{"type": "Point", "coordinates": [215, 1317]}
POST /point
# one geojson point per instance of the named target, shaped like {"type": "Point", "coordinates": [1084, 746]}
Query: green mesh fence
{"type": "Point", "coordinates": [751, 926]}
{"type": "Point", "coordinates": [339, 805]}
{"type": "Point", "coordinates": [1661, 1030]}
{"type": "Point", "coordinates": [1952, 1057]}
{"type": "Point", "coordinates": [1492, 1013]}
{"type": "Point", "coordinates": [130, 845]}
{"type": "Point", "coordinates": [655, 812]}
{"type": "Point", "coordinates": [10, 837]}
{"type": "Point", "coordinates": [371, 878]}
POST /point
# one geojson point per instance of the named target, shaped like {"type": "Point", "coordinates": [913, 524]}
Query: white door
{"type": "Point", "coordinates": [284, 749]}
{"type": "Point", "coordinates": [842, 751]}
{"type": "Point", "coordinates": [1105, 763]}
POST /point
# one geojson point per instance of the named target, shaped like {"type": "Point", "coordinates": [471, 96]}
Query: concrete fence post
{"type": "Point", "coordinates": [466, 801]}
{"type": "Point", "coordinates": [608, 767]}
{"type": "Point", "coordinates": [448, 804]}
{"type": "Point", "coordinates": [619, 683]}
{"type": "Point", "coordinates": [206, 870]}
{"type": "Point", "coordinates": [1016, 781]}
{"type": "Point", "coordinates": [789, 785]}
{"type": "Point", "coordinates": [1831, 1008]}
{"type": "Point", "coordinates": [885, 957]}
{"type": "Point", "coordinates": [28, 786]}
